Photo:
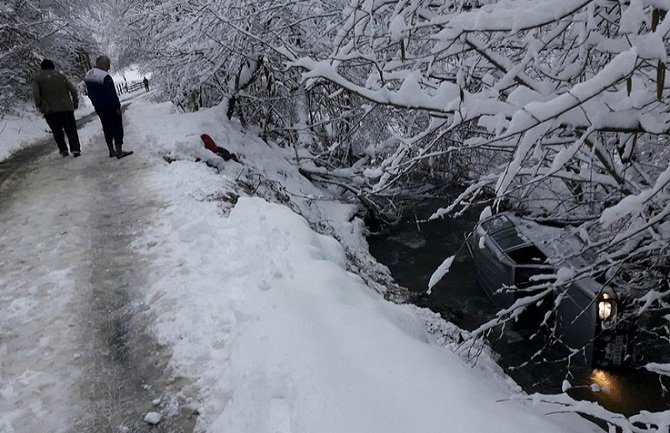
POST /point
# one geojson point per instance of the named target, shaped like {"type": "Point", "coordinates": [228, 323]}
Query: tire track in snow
{"type": "Point", "coordinates": [76, 356]}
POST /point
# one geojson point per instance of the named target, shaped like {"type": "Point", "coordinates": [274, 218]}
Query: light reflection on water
{"type": "Point", "coordinates": [605, 382]}
{"type": "Point", "coordinates": [627, 393]}
{"type": "Point", "coordinates": [608, 387]}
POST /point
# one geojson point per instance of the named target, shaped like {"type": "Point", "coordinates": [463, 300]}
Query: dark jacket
{"type": "Point", "coordinates": [101, 91]}
{"type": "Point", "coordinates": [53, 92]}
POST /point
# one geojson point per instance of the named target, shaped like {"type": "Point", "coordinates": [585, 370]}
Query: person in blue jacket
{"type": "Point", "coordinates": [102, 92]}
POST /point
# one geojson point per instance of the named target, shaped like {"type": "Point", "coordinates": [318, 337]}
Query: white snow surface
{"type": "Point", "coordinates": [17, 132]}
{"type": "Point", "coordinates": [263, 318]}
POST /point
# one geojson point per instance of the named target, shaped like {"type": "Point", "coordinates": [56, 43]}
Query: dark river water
{"type": "Point", "coordinates": [412, 251]}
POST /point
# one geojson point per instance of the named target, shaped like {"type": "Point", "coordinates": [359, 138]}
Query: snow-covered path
{"type": "Point", "coordinates": [73, 352]}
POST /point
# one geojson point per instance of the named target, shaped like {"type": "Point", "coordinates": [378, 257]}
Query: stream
{"type": "Point", "coordinates": [412, 251]}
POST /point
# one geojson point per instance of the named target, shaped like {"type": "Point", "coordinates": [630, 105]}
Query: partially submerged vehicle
{"type": "Point", "coordinates": [512, 254]}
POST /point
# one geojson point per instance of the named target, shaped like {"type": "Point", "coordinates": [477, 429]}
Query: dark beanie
{"type": "Point", "coordinates": [47, 64]}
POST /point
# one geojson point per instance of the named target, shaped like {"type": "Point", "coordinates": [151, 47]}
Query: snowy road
{"type": "Point", "coordinates": [74, 356]}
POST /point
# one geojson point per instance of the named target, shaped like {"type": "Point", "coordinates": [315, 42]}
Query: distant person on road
{"type": "Point", "coordinates": [146, 84]}
{"type": "Point", "coordinates": [56, 97]}
{"type": "Point", "coordinates": [102, 92]}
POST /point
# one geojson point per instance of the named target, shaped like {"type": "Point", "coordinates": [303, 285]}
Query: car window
{"type": "Point", "coordinates": [508, 239]}
{"type": "Point", "coordinates": [528, 255]}
{"type": "Point", "coordinates": [501, 222]}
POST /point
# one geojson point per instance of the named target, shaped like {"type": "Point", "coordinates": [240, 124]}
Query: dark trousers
{"type": "Point", "coordinates": [112, 127]}
{"type": "Point", "coordinates": [62, 123]}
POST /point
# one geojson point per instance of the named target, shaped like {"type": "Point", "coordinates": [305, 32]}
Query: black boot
{"type": "Point", "coordinates": [112, 153]}
{"type": "Point", "coordinates": [120, 153]}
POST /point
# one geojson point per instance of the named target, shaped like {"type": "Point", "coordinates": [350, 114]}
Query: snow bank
{"type": "Point", "coordinates": [267, 323]}
{"type": "Point", "coordinates": [17, 132]}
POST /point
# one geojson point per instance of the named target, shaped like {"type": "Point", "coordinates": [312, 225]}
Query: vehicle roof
{"type": "Point", "coordinates": [559, 245]}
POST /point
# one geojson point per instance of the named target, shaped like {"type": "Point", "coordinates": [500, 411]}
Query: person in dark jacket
{"type": "Point", "coordinates": [102, 92]}
{"type": "Point", "coordinates": [56, 97]}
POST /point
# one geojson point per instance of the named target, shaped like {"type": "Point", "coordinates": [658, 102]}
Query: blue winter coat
{"type": "Point", "coordinates": [101, 91]}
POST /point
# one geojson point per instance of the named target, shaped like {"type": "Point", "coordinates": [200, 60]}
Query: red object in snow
{"type": "Point", "coordinates": [213, 147]}
{"type": "Point", "coordinates": [209, 143]}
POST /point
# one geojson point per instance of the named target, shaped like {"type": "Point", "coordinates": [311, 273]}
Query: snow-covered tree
{"type": "Point", "coordinates": [202, 51]}
{"type": "Point", "coordinates": [34, 29]}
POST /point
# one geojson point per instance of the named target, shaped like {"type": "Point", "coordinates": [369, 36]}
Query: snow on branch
{"type": "Point", "coordinates": [440, 272]}
{"type": "Point", "coordinates": [644, 422]}
{"type": "Point", "coordinates": [662, 369]}
{"type": "Point", "coordinates": [509, 16]}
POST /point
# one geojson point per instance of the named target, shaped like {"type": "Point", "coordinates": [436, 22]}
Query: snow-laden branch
{"type": "Point", "coordinates": [35, 29]}
{"type": "Point", "coordinates": [662, 369]}
{"type": "Point", "coordinates": [644, 422]}
{"type": "Point", "coordinates": [511, 16]}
